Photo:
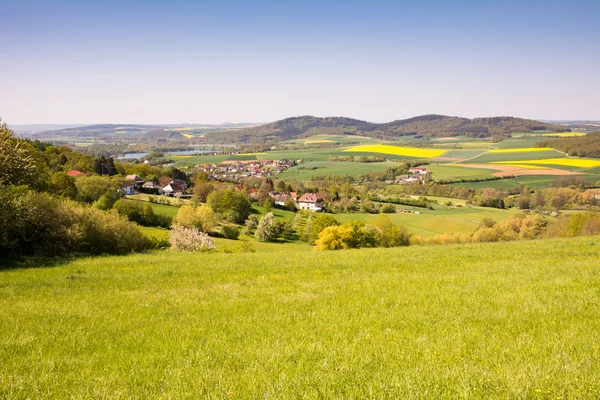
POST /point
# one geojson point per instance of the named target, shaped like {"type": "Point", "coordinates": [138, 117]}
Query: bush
{"type": "Point", "coordinates": [234, 205]}
{"type": "Point", "coordinates": [202, 218]}
{"type": "Point", "coordinates": [230, 232]}
{"type": "Point", "coordinates": [190, 239]}
{"type": "Point", "coordinates": [387, 208]}
{"type": "Point", "coordinates": [33, 223]}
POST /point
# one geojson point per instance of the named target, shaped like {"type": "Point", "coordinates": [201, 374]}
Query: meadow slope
{"type": "Point", "coordinates": [506, 320]}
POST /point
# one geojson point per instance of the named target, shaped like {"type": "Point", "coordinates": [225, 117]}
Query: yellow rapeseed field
{"type": "Point", "coordinates": [567, 162]}
{"type": "Point", "coordinates": [397, 150]}
{"type": "Point", "coordinates": [187, 135]}
{"type": "Point", "coordinates": [521, 150]}
{"type": "Point", "coordinates": [564, 134]}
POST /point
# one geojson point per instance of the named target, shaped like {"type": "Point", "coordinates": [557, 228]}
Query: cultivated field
{"type": "Point", "coordinates": [506, 320]}
{"type": "Point", "coordinates": [397, 151]}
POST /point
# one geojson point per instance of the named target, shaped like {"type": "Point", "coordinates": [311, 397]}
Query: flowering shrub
{"type": "Point", "coordinates": [190, 239]}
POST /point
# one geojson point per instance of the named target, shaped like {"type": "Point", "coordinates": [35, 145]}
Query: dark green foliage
{"type": "Point", "coordinates": [230, 232]}
{"type": "Point", "coordinates": [423, 126]}
{"type": "Point", "coordinates": [233, 205]}
{"type": "Point", "coordinates": [579, 146]}
{"type": "Point", "coordinates": [105, 166]}
{"type": "Point", "coordinates": [141, 213]}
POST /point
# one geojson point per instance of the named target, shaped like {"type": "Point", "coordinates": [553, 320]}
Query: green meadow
{"type": "Point", "coordinates": [505, 320]}
{"type": "Point", "coordinates": [306, 171]}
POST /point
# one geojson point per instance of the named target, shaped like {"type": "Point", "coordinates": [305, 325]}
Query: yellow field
{"type": "Point", "coordinates": [187, 135]}
{"type": "Point", "coordinates": [567, 162]}
{"type": "Point", "coordinates": [397, 151]}
{"type": "Point", "coordinates": [319, 141]}
{"type": "Point", "coordinates": [519, 165]}
{"type": "Point", "coordinates": [521, 150]}
{"type": "Point", "coordinates": [564, 134]}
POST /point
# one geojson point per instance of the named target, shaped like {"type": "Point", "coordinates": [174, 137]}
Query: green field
{"type": "Point", "coordinates": [448, 171]}
{"type": "Point", "coordinates": [305, 172]}
{"type": "Point", "coordinates": [531, 181]}
{"type": "Point", "coordinates": [442, 219]}
{"type": "Point", "coordinates": [187, 161]}
{"type": "Point", "coordinates": [506, 320]}
{"type": "Point", "coordinates": [517, 156]}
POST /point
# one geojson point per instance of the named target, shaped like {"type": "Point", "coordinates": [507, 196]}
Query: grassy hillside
{"type": "Point", "coordinates": [508, 320]}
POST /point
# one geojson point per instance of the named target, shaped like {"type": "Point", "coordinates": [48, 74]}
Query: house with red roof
{"type": "Point", "coordinates": [310, 201]}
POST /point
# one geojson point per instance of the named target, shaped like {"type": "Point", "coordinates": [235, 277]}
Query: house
{"type": "Point", "coordinates": [128, 187]}
{"type": "Point", "coordinates": [420, 171]}
{"type": "Point", "coordinates": [171, 189]}
{"type": "Point", "coordinates": [310, 201]}
{"type": "Point", "coordinates": [136, 179]}
{"type": "Point", "coordinates": [151, 187]}
{"type": "Point", "coordinates": [179, 183]}
{"type": "Point", "coordinates": [74, 173]}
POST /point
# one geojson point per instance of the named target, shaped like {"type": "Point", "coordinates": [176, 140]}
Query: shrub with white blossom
{"type": "Point", "coordinates": [190, 239]}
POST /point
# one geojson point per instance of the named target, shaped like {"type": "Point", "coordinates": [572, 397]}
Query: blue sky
{"type": "Point", "coordinates": [258, 61]}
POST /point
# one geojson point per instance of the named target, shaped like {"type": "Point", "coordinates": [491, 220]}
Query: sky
{"type": "Point", "coordinates": [152, 62]}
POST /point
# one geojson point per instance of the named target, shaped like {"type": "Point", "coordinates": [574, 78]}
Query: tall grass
{"type": "Point", "coordinates": [510, 320]}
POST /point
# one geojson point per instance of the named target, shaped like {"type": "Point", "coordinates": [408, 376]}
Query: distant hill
{"type": "Point", "coordinates": [158, 133]}
{"type": "Point", "coordinates": [425, 125]}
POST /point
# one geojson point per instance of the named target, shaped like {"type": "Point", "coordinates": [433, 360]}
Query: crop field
{"type": "Point", "coordinates": [490, 157]}
{"type": "Point", "coordinates": [506, 320]}
{"type": "Point", "coordinates": [521, 150]}
{"type": "Point", "coordinates": [531, 181]}
{"type": "Point", "coordinates": [306, 171]}
{"type": "Point", "coordinates": [565, 162]}
{"type": "Point", "coordinates": [397, 151]}
{"type": "Point", "coordinates": [449, 171]}
{"type": "Point", "coordinates": [564, 134]}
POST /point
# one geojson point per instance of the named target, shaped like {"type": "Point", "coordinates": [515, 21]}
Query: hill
{"type": "Point", "coordinates": [582, 146]}
{"type": "Point", "coordinates": [505, 320]}
{"type": "Point", "coordinates": [425, 125]}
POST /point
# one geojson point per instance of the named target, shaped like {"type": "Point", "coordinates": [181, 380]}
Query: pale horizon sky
{"type": "Point", "coordinates": [174, 62]}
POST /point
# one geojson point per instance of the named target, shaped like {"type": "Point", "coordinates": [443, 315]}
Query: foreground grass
{"type": "Point", "coordinates": [509, 320]}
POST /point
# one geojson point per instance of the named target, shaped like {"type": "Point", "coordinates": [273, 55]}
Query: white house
{"type": "Point", "coordinates": [310, 201]}
{"type": "Point", "coordinates": [171, 189]}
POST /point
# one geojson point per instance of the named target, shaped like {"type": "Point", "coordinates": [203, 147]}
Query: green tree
{"type": "Point", "coordinates": [234, 205]}
{"type": "Point", "coordinates": [19, 161]}
{"type": "Point", "coordinates": [265, 230]}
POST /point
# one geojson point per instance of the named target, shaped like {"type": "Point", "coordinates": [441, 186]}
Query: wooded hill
{"type": "Point", "coordinates": [580, 146]}
{"type": "Point", "coordinates": [425, 125]}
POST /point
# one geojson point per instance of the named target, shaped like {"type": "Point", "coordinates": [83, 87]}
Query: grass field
{"type": "Point", "coordinates": [507, 320]}
{"type": "Point", "coordinates": [333, 168]}
{"type": "Point", "coordinates": [397, 150]}
{"type": "Point", "coordinates": [443, 219]}
{"type": "Point", "coordinates": [531, 181]}
{"type": "Point", "coordinates": [448, 171]}
{"type": "Point", "coordinates": [186, 161]}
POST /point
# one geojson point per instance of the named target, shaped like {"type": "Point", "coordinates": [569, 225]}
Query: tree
{"type": "Point", "coordinates": [19, 162]}
{"type": "Point", "coordinates": [63, 185]}
{"type": "Point", "coordinates": [91, 188]}
{"type": "Point", "coordinates": [390, 235]}
{"type": "Point", "coordinates": [234, 205]}
{"type": "Point", "coordinates": [201, 190]}
{"type": "Point", "coordinates": [202, 218]}
{"type": "Point", "coordinates": [264, 230]}
{"type": "Point", "coordinates": [315, 225]}
{"type": "Point", "coordinates": [105, 166]}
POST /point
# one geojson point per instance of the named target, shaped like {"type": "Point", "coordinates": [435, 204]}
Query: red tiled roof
{"type": "Point", "coordinates": [309, 198]}
{"type": "Point", "coordinates": [75, 173]}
